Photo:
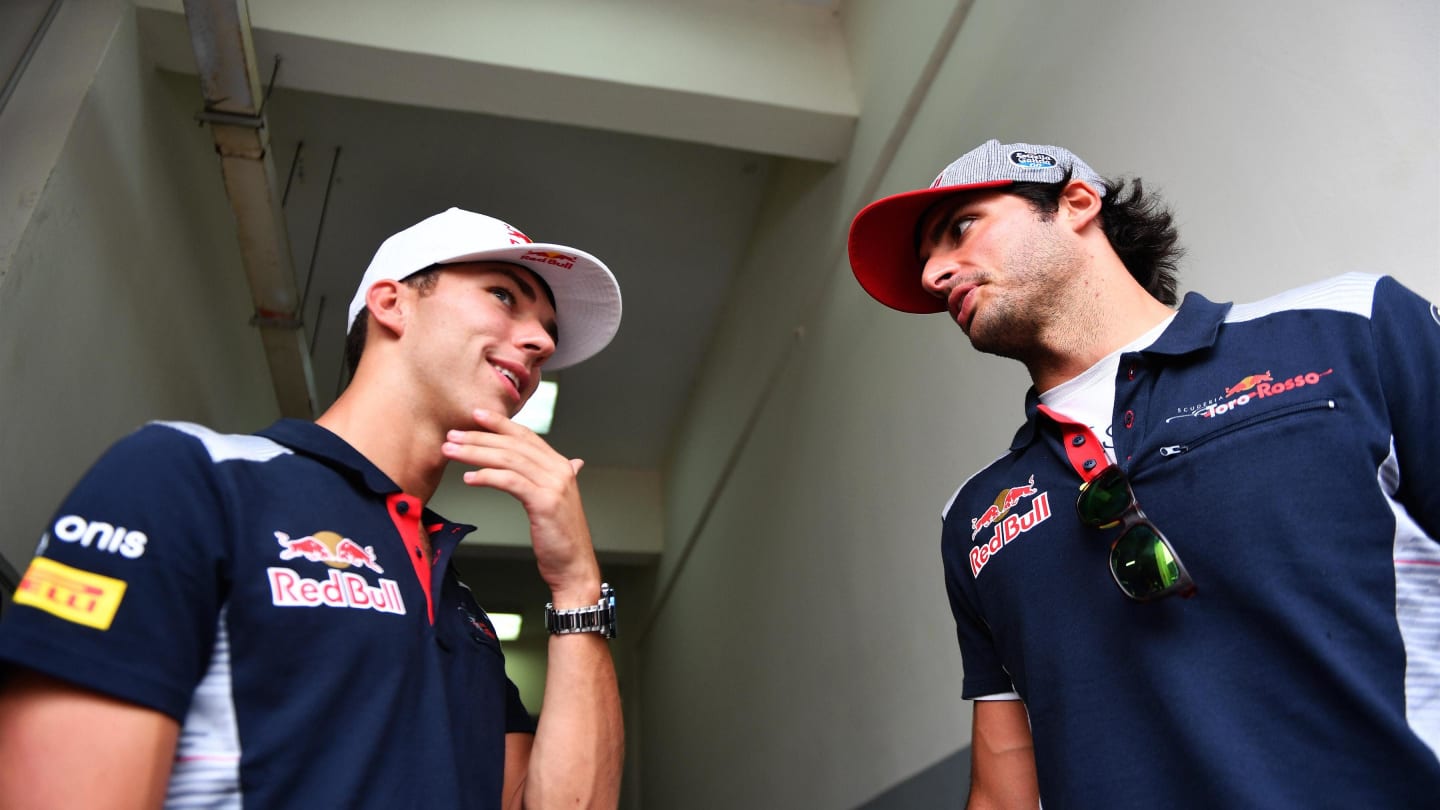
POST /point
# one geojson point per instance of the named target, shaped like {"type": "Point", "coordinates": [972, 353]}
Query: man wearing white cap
{"type": "Point", "coordinates": [1283, 449]}
{"type": "Point", "coordinates": [273, 620]}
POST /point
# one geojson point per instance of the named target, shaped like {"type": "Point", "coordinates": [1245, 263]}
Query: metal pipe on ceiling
{"type": "Point", "coordinates": [234, 108]}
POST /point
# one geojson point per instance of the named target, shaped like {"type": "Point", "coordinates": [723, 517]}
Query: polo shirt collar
{"type": "Point", "coordinates": [309, 439]}
{"type": "Point", "coordinates": [1196, 327]}
{"type": "Point", "coordinates": [306, 437]}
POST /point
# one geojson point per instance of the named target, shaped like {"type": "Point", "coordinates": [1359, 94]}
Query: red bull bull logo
{"type": "Point", "coordinates": [329, 548]}
{"type": "Point", "coordinates": [1248, 383]}
{"type": "Point", "coordinates": [516, 237]}
{"type": "Point", "coordinates": [1008, 530]}
{"type": "Point", "coordinates": [562, 260]}
{"type": "Point", "coordinates": [1004, 502]}
{"type": "Point", "coordinates": [341, 588]}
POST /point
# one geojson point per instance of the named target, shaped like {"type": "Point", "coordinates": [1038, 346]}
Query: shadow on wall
{"type": "Point", "coordinates": [939, 787]}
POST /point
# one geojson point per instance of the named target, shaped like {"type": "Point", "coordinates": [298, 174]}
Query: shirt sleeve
{"type": "Point", "coordinates": [984, 674]}
{"type": "Point", "coordinates": [517, 719]}
{"type": "Point", "coordinates": [124, 593]}
{"type": "Point", "coordinates": [1406, 330]}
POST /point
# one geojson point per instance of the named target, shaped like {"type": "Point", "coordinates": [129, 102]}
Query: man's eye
{"type": "Point", "coordinates": [506, 297]}
{"type": "Point", "coordinates": [960, 226]}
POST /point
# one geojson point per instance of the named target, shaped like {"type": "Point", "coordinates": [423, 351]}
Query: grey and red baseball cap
{"type": "Point", "coordinates": [587, 297]}
{"type": "Point", "coordinates": [883, 238]}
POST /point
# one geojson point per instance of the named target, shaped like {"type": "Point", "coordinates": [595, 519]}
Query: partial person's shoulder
{"type": "Point", "coordinates": [1352, 293]}
{"type": "Point", "coordinates": [223, 446]}
{"type": "Point", "coordinates": [975, 478]}
{"type": "Point", "coordinates": [166, 443]}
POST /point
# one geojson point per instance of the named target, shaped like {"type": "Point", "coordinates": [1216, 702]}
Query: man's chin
{"type": "Point", "coordinates": [1001, 345]}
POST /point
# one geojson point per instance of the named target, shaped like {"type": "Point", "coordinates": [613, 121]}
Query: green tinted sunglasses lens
{"type": "Point", "coordinates": [1142, 562]}
{"type": "Point", "coordinates": [1104, 499]}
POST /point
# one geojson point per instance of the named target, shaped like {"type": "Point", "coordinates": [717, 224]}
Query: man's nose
{"type": "Point", "coordinates": [535, 338]}
{"type": "Point", "coordinates": [936, 275]}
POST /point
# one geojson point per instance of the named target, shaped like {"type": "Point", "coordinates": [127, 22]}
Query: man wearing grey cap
{"type": "Point", "coordinates": [1241, 608]}
{"type": "Point", "coordinates": [273, 620]}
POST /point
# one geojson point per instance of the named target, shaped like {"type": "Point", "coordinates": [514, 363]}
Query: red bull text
{"type": "Point", "coordinates": [562, 260]}
{"type": "Point", "coordinates": [341, 589]}
{"type": "Point", "coordinates": [1009, 529]}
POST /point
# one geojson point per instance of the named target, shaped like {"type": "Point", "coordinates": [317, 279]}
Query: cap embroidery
{"type": "Point", "coordinates": [562, 260]}
{"type": "Point", "coordinates": [1032, 160]}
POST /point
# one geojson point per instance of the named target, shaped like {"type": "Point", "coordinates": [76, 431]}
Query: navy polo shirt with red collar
{"type": "Point", "coordinates": [1288, 450]}
{"type": "Point", "coordinates": [270, 592]}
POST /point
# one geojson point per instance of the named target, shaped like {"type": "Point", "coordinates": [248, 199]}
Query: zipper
{"type": "Point", "coordinates": [1172, 450]}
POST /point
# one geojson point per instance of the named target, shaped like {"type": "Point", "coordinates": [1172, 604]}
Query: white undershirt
{"type": "Point", "coordinates": [1089, 397]}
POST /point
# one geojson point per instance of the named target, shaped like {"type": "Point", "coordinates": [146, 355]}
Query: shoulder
{"type": "Point", "coordinates": [182, 453]}
{"type": "Point", "coordinates": [1352, 293]}
{"type": "Point", "coordinates": [217, 447]}
{"type": "Point", "coordinates": [977, 479]}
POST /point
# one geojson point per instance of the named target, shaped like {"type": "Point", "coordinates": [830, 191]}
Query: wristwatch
{"type": "Point", "coordinates": [597, 618]}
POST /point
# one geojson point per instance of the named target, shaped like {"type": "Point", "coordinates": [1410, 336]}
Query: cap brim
{"type": "Point", "coordinates": [882, 247]}
{"type": "Point", "coordinates": [587, 297]}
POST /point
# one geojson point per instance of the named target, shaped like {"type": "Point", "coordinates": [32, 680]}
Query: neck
{"type": "Point", "coordinates": [402, 443]}
{"type": "Point", "coordinates": [1100, 319]}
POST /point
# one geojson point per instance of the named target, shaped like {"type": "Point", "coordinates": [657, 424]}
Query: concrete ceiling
{"type": "Point", "coordinates": [643, 131]}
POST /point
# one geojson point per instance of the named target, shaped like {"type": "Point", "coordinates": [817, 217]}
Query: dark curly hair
{"type": "Point", "coordinates": [423, 281]}
{"type": "Point", "coordinates": [1140, 228]}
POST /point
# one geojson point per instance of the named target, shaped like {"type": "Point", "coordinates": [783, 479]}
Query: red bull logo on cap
{"type": "Point", "coordinates": [516, 237]}
{"type": "Point", "coordinates": [564, 261]}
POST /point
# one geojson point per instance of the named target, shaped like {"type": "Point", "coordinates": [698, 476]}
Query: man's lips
{"type": "Point", "coordinates": [956, 303]}
{"type": "Point", "coordinates": [514, 374]}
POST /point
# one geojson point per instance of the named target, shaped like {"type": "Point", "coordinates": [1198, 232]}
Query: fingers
{"type": "Point", "coordinates": [509, 456]}
{"type": "Point", "coordinates": [498, 423]}
{"type": "Point", "coordinates": [544, 469]}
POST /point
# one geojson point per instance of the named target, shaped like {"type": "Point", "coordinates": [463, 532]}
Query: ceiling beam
{"type": "Point", "coordinates": [220, 39]}
{"type": "Point", "coordinates": [766, 77]}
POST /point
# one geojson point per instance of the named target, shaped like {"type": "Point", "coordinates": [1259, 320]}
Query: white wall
{"type": "Point", "coordinates": [622, 507]}
{"type": "Point", "coordinates": [123, 299]}
{"type": "Point", "coordinates": [802, 654]}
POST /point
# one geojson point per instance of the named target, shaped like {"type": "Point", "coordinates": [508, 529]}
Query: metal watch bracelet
{"type": "Point", "coordinates": [596, 618]}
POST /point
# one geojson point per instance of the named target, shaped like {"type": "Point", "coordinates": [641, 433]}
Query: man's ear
{"type": "Point", "coordinates": [386, 301]}
{"type": "Point", "coordinates": [1080, 205]}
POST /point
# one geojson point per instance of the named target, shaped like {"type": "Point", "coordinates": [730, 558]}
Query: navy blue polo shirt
{"type": "Point", "coordinates": [270, 593]}
{"type": "Point", "coordinates": [1288, 450]}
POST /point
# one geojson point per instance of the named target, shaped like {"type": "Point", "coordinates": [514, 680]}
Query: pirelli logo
{"type": "Point", "coordinates": [73, 595]}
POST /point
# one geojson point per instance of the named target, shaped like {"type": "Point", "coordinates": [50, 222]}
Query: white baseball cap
{"type": "Point", "coordinates": [587, 297]}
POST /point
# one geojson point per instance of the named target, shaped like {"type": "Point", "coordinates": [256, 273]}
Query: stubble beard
{"type": "Point", "coordinates": [1034, 313]}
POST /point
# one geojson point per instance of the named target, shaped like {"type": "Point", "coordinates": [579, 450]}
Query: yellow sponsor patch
{"type": "Point", "coordinates": [73, 595]}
